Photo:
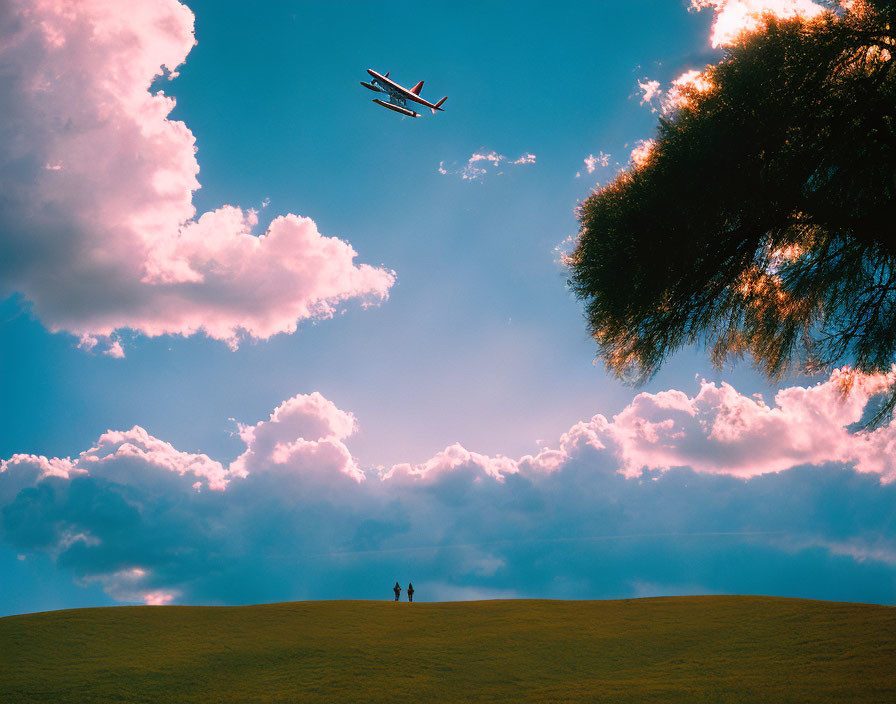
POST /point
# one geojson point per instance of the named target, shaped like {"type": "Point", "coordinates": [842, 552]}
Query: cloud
{"type": "Point", "coordinates": [649, 89]}
{"type": "Point", "coordinates": [592, 162]}
{"type": "Point", "coordinates": [734, 17]}
{"type": "Point", "coordinates": [527, 158]}
{"type": "Point", "coordinates": [99, 228]}
{"type": "Point", "coordinates": [718, 490]}
{"type": "Point", "coordinates": [492, 157]}
{"type": "Point", "coordinates": [723, 432]}
{"type": "Point", "coordinates": [303, 434]}
{"type": "Point", "coordinates": [474, 170]}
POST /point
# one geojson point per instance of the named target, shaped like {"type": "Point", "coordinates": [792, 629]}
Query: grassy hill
{"type": "Point", "coordinates": [687, 649]}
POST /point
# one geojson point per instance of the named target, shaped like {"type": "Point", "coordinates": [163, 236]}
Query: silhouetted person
{"type": "Point", "coordinates": [397, 590]}
{"type": "Point", "coordinates": [410, 592]}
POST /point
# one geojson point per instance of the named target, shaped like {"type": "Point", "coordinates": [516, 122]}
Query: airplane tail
{"type": "Point", "coordinates": [416, 89]}
{"type": "Point", "coordinates": [438, 105]}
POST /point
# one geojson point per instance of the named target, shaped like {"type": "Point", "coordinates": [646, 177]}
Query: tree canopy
{"type": "Point", "coordinates": [763, 219]}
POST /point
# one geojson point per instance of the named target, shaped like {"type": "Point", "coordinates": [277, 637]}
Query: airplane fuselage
{"type": "Point", "coordinates": [398, 95]}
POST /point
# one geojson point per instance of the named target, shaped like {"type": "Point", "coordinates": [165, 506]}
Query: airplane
{"type": "Point", "coordinates": [398, 95]}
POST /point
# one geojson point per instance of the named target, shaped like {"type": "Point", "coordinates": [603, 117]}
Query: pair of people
{"type": "Point", "coordinates": [397, 590]}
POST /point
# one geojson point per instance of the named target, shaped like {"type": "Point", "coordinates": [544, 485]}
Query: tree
{"type": "Point", "coordinates": [763, 219]}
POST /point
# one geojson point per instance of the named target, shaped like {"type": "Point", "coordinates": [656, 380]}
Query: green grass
{"type": "Point", "coordinates": [686, 649]}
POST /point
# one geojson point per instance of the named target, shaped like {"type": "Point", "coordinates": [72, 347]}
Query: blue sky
{"type": "Point", "coordinates": [273, 98]}
{"type": "Point", "coordinates": [478, 343]}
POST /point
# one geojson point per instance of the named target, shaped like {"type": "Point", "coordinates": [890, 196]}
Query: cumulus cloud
{"type": "Point", "coordinates": [734, 17]}
{"type": "Point", "coordinates": [475, 169]}
{"type": "Point", "coordinates": [96, 192]}
{"type": "Point", "coordinates": [304, 433]}
{"type": "Point", "coordinates": [715, 489]}
{"type": "Point", "coordinates": [723, 432]}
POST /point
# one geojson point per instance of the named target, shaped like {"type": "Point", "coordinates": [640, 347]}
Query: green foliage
{"type": "Point", "coordinates": [689, 649]}
{"type": "Point", "coordinates": [764, 219]}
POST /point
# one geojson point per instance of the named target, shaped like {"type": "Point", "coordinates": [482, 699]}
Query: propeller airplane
{"type": "Point", "coordinates": [399, 95]}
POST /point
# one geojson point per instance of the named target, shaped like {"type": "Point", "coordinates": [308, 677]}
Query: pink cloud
{"type": "Point", "coordinates": [116, 452]}
{"type": "Point", "coordinates": [46, 467]}
{"type": "Point", "coordinates": [304, 434]}
{"type": "Point", "coordinates": [717, 431]}
{"type": "Point", "coordinates": [116, 351]}
{"type": "Point", "coordinates": [102, 234]}
{"type": "Point", "coordinates": [453, 458]}
{"type": "Point", "coordinates": [138, 444]}
{"type": "Point", "coordinates": [133, 584]}
{"type": "Point", "coordinates": [720, 431]}
{"type": "Point", "coordinates": [158, 598]}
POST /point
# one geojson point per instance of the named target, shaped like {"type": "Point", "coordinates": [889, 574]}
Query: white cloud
{"type": "Point", "coordinates": [527, 158]}
{"type": "Point", "coordinates": [492, 157]}
{"type": "Point", "coordinates": [99, 227]}
{"type": "Point", "coordinates": [649, 90]}
{"type": "Point", "coordinates": [593, 162]}
{"type": "Point", "coordinates": [473, 168]}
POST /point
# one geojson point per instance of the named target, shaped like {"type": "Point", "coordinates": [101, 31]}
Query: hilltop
{"type": "Point", "coordinates": [683, 649]}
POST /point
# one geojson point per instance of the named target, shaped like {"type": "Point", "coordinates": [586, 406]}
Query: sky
{"type": "Point", "coordinates": [263, 340]}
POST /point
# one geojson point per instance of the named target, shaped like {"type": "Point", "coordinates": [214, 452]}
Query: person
{"type": "Point", "coordinates": [397, 590]}
{"type": "Point", "coordinates": [410, 591]}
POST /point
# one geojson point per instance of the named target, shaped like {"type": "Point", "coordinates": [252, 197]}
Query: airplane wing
{"type": "Point", "coordinates": [404, 92]}
{"type": "Point", "coordinates": [417, 99]}
{"type": "Point", "coordinates": [414, 95]}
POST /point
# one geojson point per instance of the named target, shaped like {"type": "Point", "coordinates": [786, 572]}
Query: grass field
{"type": "Point", "coordinates": [685, 649]}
